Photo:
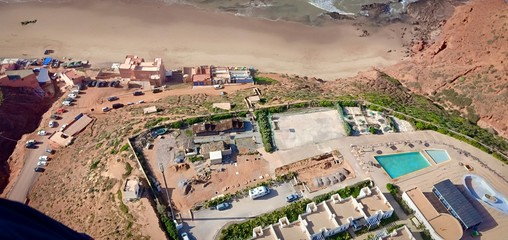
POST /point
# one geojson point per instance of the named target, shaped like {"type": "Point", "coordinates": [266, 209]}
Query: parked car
{"type": "Point", "coordinates": [115, 84]}
{"type": "Point", "coordinates": [43, 158]}
{"type": "Point", "coordinates": [103, 84]}
{"type": "Point", "coordinates": [54, 116]}
{"type": "Point", "coordinates": [141, 101]}
{"type": "Point", "coordinates": [41, 133]}
{"type": "Point", "coordinates": [117, 105]}
{"type": "Point", "coordinates": [292, 197]}
{"type": "Point", "coordinates": [55, 63]}
{"type": "Point", "coordinates": [218, 86]}
{"type": "Point", "coordinates": [60, 111]}
{"type": "Point", "coordinates": [72, 95]}
{"type": "Point", "coordinates": [63, 127]}
{"type": "Point", "coordinates": [185, 236]}
{"type": "Point", "coordinates": [138, 93]}
{"type": "Point", "coordinates": [93, 83]}
{"type": "Point", "coordinates": [42, 163]}
{"type": "Point", "coordinates": [66, 103]}
{"type": "Point", "coordinates": [52, 124]}
{"type": "Point", "coordinates": [50, 151]}
{"type": "Point", "coordinates": [112, 98]}
{"type": "Point", "coordinates": [130, 103]}
{"type": "Point", "coordinates": [157, 90]}
{"type": "Point", "coordinates": [223, 206]}
{"type": "Point", "coordinates": [30, 143]}
{"type": "Point", "coordinates": [75, 91]}
{"type": "Point", "coordinates": [106, 109]}
{"type": "Point", "coordinates": [38, 169]}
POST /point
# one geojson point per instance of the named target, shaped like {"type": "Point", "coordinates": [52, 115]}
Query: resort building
{"type": "Point", "coordinates": [401, 233]}
{"type": "Point", "coordinates": [213, 128]}
{"type": "Point", "coordinates": [457, 204]}
{"type": "Point", "coordinates": [328, 218]}
{"type": "Point", "coordinates": [374, 206]}
{"type": "Point", "coordinates": [71, 77]}
{"type": "Point", "coordinates": [214, 75]}
{"type": "Point", "coordinates": [136, 69]}
{"type": "Point", "coordinates": [441, 226]}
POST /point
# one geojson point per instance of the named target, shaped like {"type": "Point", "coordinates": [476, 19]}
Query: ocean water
{"type": "Point", "coordinates": [291, 10]}
{"type": "Point", "coordinates": [306, 11]}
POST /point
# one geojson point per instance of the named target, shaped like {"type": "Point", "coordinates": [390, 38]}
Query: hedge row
{"type": "Point", "coordinates": [265, 129]}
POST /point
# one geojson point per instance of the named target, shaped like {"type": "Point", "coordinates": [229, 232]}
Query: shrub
{"type": "Point", "coordinates": [397, 195]}
{"type": "Point", "coordinates": [212, 203]}
{"type": "Point", "coordinates": [196, 158]}
{"type": "Point", "coordinates": [265, 129]}
{"type": "Point", "coordinates": [154, 122]}
{"type": "Point", "coordinates": [95, 165]}
{"type": "Point", "coordinates": [264, 81]}
{"type": "Point", "coordinates": [128, 170]}
{"type": "Point", "coordinates": [124, 147]}
{"type": "Point", "coordinates": [353, 190]}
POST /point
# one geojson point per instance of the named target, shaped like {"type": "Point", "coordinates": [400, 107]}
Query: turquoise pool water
{"type": "Point", "coordinates": [438, 156]}
{"type": "Point", "coordinates": [400, 164]}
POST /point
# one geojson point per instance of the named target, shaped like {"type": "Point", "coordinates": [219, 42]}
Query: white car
{"type": "Point", "coordinates": [43, 158]}
{"type": "Point", "coordinates": [41, 133]}
{"type": "Point", "coordinates": [185, 236]}
{"type": "Point", "coordinates": [42, 163]}
{"type": "Point", "coordinates": [52, 124]}
{"type": "Point", "coordinates": [63, 127]}
{"type": "Point", "coordinates": [130, 103]}
{"type": "Point", "coordinates": [141, 101]}
{"type": "Point", "coordinates": [72, 95]}
{"type": "Point", "coordinates": [66, 103]}
{"type": "Point", "coordinates": [75, 92]}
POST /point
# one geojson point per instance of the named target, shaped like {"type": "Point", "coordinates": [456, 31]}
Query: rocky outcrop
{"type": "Point", "coordinates": [20, 112]}
{"type": "Point", "coordinates": [464, 67]}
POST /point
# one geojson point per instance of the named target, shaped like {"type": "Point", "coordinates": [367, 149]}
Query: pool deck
{"type": "Point", "coordinates": [495, 224]}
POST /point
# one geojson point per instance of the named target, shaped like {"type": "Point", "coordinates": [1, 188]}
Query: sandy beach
{"type": "Point", "coordinates": [104, 32]}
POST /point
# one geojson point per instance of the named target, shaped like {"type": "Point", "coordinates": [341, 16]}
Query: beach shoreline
{"type": "Point", "coordinates": [104, 32]}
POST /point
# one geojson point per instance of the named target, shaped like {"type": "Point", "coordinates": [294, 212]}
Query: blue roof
{"type": "Point", "coordinates": [467, 214]}
{"type": "Point", "coordinates": [47, 61]}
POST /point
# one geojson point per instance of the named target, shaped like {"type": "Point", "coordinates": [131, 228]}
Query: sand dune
{"type": "Point", "coordinates": [105, 32]}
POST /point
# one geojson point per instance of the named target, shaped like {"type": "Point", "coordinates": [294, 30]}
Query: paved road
{"type": "Point", "coordinates": [207, 223]}
{"type": "Point", "coordinates": [27, 176]}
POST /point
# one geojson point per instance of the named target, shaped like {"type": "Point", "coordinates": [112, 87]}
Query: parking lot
{"type": "Point", "coordinates": [297, 129]}
{"type": "Point", "coordinates": [206, 223]}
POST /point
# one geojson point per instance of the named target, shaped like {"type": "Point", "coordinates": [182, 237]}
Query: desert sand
{"type": "Point", "coordinates": [104, 32]}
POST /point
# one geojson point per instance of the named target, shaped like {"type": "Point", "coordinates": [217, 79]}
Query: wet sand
{"type": "Point", "coordinates": [104, 32]}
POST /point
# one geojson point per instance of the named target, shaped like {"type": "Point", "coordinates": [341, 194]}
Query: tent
{"type": "Point", "coordinates": [47, 61]}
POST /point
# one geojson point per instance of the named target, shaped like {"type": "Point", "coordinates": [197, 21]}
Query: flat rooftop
{"type": "Point", "coordinates": [445, 225]}
{"type": "Point", "coordinates": [131, 185]}
{"type": "Point", "coordinates": [293, 231]}
{"type": "Point", "coordinates": [343, 210]}
{"type": "Point", "coordinates": [401, 234]}
{"type": "Point", "coordinates": [374, 202]}
{"type": "Point", "coordinates": [318, 220]}
{"type": "Point", "coordinates": [267, 234]}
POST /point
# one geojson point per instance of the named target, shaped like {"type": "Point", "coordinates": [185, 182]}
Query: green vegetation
{"type": "Point", "coordinates": [217, 201]}
{"type": "Point", "coordinates": [422, 108]}
{"type": "Point", "coordinates": [395, 192]}
{"type": "Point", "coordinates": [262, 117]}
{"type": "Point", "coordinates": [353, 190]}
{"type": "Point", "coordinates": [265, 81]}
{"type": "Point", "coordinates": [341, 236]}
{"type": "Point", "coordinates": [168, 224]}
{"type": "Point", "coordinates": [124, 148]}
{"type": "Point", "coordinates": [123, 207]}
{"type": "Point", "coordinates": [128, 169]}
{"type": "Point", "coordinates": [196, 158]}
{"type": "Point", "coordinates": [154, 122]}
{"type": "Point", "coordinates": [244, 230]}
{"type": "Point", "coordinates": [95, 165]}
{"type": "Point", "coordinates": [455, 98]}
{"type": "Point", "coordinates": [383, 222]}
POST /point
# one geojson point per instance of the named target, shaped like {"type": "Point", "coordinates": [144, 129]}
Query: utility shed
{"type": "Point", "coordinates": [149, 110]}
{"type": "Point", "coordinates": [216, 157]}
{"type": "Point", "coordinates": [457, 204]}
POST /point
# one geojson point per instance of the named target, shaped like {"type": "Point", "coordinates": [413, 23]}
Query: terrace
{"type": "Point", "coordinates": [343, 210]}
{"type": "Point", "coordinates": [294, 230]}
{"type": "Point", "coordinates": [374, 201]}
{"type": "Point", "coordinates": [319, 219]}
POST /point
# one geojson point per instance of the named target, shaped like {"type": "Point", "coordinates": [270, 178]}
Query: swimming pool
{"type": "Point", "coordinates": [438, 156]}
{"type": "Point", "coordinates": [400, 164]}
